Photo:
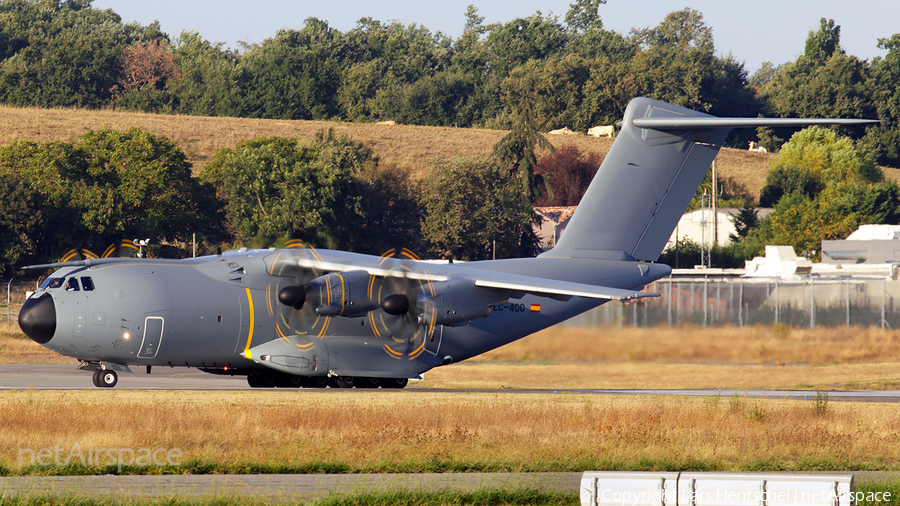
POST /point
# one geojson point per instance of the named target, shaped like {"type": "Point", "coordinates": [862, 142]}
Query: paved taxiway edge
{"type": "Point", "coordinates": [293, 487]}
{"type": "Point", "coordinates": [67, 377]}
{"type": "Point", "coordinates": [277, 487]}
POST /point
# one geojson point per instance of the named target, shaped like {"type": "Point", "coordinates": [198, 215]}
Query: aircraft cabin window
{"type": "Point", "coordinates": [72, 285]}
{"type": "Point", "coordinates": [55, 282]}
{"type": "Point", "coordinates": [87, 283]}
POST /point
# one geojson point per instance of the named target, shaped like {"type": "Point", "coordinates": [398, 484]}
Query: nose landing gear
{"type": "Point", "coordinates": [105, 378]}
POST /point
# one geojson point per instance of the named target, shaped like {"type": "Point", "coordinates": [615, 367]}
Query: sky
{"type": "Point", "coordinates": [762, 30]}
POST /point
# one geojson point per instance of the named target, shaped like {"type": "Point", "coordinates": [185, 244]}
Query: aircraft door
{"type": "Point", "coordinates": [153, 332]}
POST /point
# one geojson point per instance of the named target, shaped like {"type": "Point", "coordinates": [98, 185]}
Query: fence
{"type": "Point", "coordinates": [735, 301]}
{"type": "Point", "coordinates": [13, 297]}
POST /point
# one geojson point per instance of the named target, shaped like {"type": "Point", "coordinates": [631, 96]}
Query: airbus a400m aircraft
{"type": "Point", "coordinates": [314, 318]}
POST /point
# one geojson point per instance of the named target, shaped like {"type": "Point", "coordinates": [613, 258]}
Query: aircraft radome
{"type": "Point", "coordinates": [314, 318]}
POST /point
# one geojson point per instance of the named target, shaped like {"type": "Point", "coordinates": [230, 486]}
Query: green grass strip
{"type": "Point", "coordinates": [485, 497]}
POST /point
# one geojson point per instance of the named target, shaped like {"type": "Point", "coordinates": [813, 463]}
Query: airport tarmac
{"type": "Point", "coordinates": [291, 488]}
{"type": "Point", "coordinates": [278, 487]}
{"type": "Point", "coordinates": [67, 377]}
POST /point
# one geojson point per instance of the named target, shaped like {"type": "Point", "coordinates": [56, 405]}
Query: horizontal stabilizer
{"type": "Point", "coordinates": [698, 123]}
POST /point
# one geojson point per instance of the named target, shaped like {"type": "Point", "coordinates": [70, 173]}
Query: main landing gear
{"type": "Point", "coordinates": [273, 379]}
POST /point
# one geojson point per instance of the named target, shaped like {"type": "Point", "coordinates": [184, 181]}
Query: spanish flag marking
{"type": "Point", "coordinates": [535, 308]}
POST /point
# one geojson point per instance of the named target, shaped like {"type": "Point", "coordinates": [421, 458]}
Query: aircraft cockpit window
{"type": "Point", "coordinates": [55, 282]}
{"type": "Point", "coordinates": [87, 283]}
{"type": "Point", "coordinates": [72, 285]}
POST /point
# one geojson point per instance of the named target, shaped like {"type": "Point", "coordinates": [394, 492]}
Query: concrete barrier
{"type": "Point", "coordinates": [714, 489]}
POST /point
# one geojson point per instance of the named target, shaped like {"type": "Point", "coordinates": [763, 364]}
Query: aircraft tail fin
{"type": "Point", "coordinates": [648, 178]}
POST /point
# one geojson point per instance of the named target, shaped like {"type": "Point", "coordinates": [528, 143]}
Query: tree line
{"type": "Point", "coordinates": [574, 72]}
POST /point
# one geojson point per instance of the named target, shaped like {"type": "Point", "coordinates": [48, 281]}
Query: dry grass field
{"type": "Point", "coordinates": [391, 431]}
{"type": "Point", "coordinates": [410, 148]}
{"type": "Point", "coordinates": [778, 344]}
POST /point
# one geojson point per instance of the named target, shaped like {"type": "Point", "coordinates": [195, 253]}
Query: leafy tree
{"type": "Point", "coordinates": [569, 172]}
{"type": "Point", "coordinates": [211, 82]}
{"type": "Point", "coordinates": [516, 152]}
{"type": "Point", "coordinates": [829, 187]}
{"type": "Point", "coordinates": [146, 68]}
{"type": "Point", "coordinates": [314, 191]}
{"type": "Point", "coordinates": [20, 222]}
{"type": "Point", "coordinates": [828, 158]}
{"type": "Point", "coordinates": [745, 221]}
{"type": "Point", "coordinates": [61, 53]}
{"type": "Point", "coordinates": [814, 159]}
{"type": "Point", "coordinates": [523, 39]}
{"type": "Point", "coordinates": [583, 15]}
{"type": "Point", "coordinates": [885, 136]}
{"type": "Point", "coordinates": [111, 184]}
{"type": "Point", "coordinates": [763, 75]}
{"type": "Point", "coordinates": [470, 205]}
{"type": "Point", "coordinates": [138, 183]}
{"type": "Point", "coordinates": [677, 65]}
{"type": "Point", "coordinates": [682, 30]}
{"type": "Point", "coordinates": [554, 89]}
{"type": "Point", "coordinates": [823, 44]}
{"type": "Point", "coordinates": [823, 82]}
{"type": "Point", "coordinates": [296, 74]}
{"type": "Point", "coordinates": [390, 210]}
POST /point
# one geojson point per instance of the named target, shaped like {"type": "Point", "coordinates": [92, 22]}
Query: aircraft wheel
{"type": "Point", "coordinates": [315, 382]}
{"type": "Point", "coordinates": [261, 380]}
{"type": "Point", "coordinates": [105, 379]}
{"type": "Point", "coordinates": [344, 381]}
{"type": "Point", "coordinates": [368, 382]}
{"type": "Point", "coordinates": [289, 381]}
{"type": "Point", "coordinates": [394, 382]}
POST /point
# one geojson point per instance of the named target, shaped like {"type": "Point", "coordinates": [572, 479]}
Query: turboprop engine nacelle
{"type": "Point", "coordinates": [335, 294]}
{"type": "Point", "coordinates": [459, 300]}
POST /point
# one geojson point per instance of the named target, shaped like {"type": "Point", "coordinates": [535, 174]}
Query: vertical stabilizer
{"type": "Point", "coordinates": [648, 178]}
{"type": "Point", "coordinates": [642, 188]}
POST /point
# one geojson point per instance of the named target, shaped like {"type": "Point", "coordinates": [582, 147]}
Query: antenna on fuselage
{"type": "Point", "coordinates": [141, 244]}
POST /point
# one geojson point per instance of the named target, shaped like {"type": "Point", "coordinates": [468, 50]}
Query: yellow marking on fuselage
{"type": "Point", "coordinates": [324, 327]}
{"type": "Point", "coordinates": [250, 333]}
{"type": "Point", "coordinates": [371, 289]}
{"type": "Point", "coordinates": [269, 300]}
{"type": "Point", "coordinates": [418, 351]}
{"type": "Point", "coordinates": [274, 263]}
{"type": "Point", "coordinates": [372, 323]}
{"type": "Point", "coordinates": [392, 353]}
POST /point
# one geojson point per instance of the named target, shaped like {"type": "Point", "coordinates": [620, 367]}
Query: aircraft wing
{"type": "Point", "coordinates": [495, 280]}
{"type": "Point", "coordinates": [550, 287]}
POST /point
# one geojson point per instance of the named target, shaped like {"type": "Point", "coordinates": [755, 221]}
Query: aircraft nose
{"type": "Point", "coordinates": [37, 319]}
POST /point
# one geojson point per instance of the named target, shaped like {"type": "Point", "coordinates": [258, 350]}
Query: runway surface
{"type": "Point", "coordinates": [67, 377]}
{"type": "Point", "coordinates": [279, 487]}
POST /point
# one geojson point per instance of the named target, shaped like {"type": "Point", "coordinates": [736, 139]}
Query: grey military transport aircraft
{"type": "Point", "coordinates": [316, 318]}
